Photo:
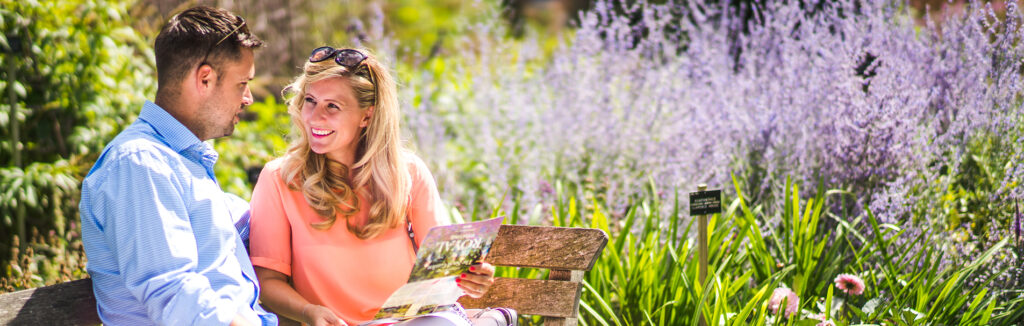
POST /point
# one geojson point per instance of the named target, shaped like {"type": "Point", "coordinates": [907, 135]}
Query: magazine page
{"type": "Point", "coordinates": [446, 252]}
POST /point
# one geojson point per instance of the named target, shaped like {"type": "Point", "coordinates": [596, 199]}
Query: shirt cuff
{"type": "Point", "coordinates": [273, 264]}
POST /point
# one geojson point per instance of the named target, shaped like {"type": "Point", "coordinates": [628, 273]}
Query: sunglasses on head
{"type": "Point", "coordinates": [348, 58]}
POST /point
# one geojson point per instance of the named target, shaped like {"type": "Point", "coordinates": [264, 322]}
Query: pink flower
{"type": "Point", "coordinates": [850, 284]}
{"type": "Point", "coordinates": [826, 323]}
{"type": "Point", "coordinates": [780, 294]}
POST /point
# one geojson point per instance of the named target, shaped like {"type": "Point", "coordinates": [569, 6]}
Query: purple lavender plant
{"type": "Point", "coordinates": [853, 94]}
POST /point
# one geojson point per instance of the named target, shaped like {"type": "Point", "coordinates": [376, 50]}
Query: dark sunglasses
{"type": "Point", "coordinates": [222, 39]}
{"type": "Point", "coordinates": [348, 58]}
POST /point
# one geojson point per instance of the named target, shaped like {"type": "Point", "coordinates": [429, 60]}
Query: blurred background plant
{"type": "Point", "coordinates": [903, 117]}
{"type": "Point", "coordinates": [73, 76]}
{"type": "Point", "coordinates": [650, 277]}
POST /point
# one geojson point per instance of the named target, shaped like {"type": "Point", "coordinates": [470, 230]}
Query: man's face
{"type": "Point", "coordinates": [220, 112]}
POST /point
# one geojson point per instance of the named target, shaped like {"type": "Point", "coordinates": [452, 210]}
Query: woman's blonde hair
{"type": "Point", "coordinates": [379, 172]}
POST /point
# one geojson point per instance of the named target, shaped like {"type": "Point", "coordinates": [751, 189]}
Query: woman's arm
{"type": "Point", "coordinates": [278, 295]}
{"type": "Point", "coordinates": [271, 251]}
{"type": "Point", "coordinates": [427, 210]}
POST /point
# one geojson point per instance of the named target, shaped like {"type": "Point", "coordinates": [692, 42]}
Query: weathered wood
{"type": "Point", "coordinates": [285, 321]}
{"type": "Point", "coordinates": [560, 275]}
{"type": "Point", "coordinates": [547, 247]}
{"type": "Point", "coordinates": [567, 252]}
{"type": "Point", "coordinates": [529, 297]}
{"type": "Point", "coordinates": [571, 276]}
{"type": "Point", "coordinates": [70, 303]}
{"type": "Point", "coordinates": [558, 321]}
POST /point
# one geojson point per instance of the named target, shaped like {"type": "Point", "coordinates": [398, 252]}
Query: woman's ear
{"type": "Point", "coordinates": [366, 118]}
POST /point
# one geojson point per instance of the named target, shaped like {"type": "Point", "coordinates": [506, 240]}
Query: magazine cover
{"type": "Point", "coordinates": [446, 252]}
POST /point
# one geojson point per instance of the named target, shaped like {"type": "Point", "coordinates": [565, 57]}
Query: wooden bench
{"type": "Point", "coordinates": [70, 303]}
{"type": "Point", "coordinates": [566, 252]}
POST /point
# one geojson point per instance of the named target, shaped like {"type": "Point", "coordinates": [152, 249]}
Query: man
{"type": "Point", "coordinates": [159, 233]}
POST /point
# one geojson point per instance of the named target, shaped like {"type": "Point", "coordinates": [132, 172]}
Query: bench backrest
{"type": "Point", "coordinates": [566, 252]}
{"type": "Point", "coordinates": [69, 303]}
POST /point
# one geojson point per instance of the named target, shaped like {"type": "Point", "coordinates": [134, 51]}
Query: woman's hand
{"type": "Point", "coordinates": [316, 315]}
{"type": "Point", "coordinates": [477, 280]}
{"type": "Point", "coordinates": [277, 294]}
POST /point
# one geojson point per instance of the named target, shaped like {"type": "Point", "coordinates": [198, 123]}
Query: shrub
{"type": "Point", "coordinates": [77, 81]}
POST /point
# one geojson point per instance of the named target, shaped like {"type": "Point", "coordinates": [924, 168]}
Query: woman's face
{"type": "Point", "coordinates": [333, 119]}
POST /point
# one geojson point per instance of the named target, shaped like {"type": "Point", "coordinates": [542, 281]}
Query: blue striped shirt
{"type": "Point", "coordinates": [162, 238]}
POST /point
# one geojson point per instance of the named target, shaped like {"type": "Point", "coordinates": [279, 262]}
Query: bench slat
{"type": "Point", "coordinates": [547, 247]}
{"type": "Point", "coordinates": [530, 297]}
{"type": "Point", "coordinates": [70, 303]}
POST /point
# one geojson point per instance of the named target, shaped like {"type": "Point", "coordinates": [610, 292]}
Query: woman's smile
{"type": "Point", "coordinates": [319, 133]}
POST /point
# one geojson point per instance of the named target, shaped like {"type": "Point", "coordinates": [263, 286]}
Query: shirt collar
{"type": "Point", "coordinates": [175, 134]}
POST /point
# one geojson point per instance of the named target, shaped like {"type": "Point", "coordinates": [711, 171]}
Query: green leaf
{"type": "Point", "coordinates": [828, 303]}
{"type": "Point", "coordinates": [593, 313]}
{"type": "Point", "coordinates": [604, 305]}
{"type": "Point", "coordinates": [871, 305]}
{"type": "Point", "coordinates": [911, 314]}
{"type": "Point", "coordinates": [19, 89]}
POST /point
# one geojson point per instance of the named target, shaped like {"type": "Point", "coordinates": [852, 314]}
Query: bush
{"type": "Point", "coordinates": [79, 79]}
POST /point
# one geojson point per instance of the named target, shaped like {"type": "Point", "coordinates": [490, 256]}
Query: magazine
{"type": "Point", "coordinates": [446, 252]}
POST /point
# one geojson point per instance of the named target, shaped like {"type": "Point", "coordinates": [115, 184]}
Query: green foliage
{"type": "Point", "coordinates": [972, 186]}
{"type": "Point", "coordinates": [49, 258]}
{"type": "Point", "coordinates": [648, 272]}
{"type": "Point", "coordinates": [259, 138]}
{"type": "Point", "coordinates": [420, 29]}
{"type": "Point", "coordinates": [78, 79]}
{"type": "Point", "coordinates": [425, 26]}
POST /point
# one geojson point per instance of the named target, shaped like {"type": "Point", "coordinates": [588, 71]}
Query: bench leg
{"type": "Point", "coordinates": [572, 276]}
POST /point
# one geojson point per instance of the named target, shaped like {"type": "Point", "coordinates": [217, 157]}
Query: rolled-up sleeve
{"type": "Point", "coordinates": [270, 232]}
{"type": "Point", "coordinates": [156, 249]}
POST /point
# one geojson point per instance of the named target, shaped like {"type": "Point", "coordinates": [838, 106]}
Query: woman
{"type": "Point", "coordinates": [328, 232]}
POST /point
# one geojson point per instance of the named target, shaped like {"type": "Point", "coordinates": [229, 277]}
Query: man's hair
{"type": "Point", "coordinates": [197, 33]}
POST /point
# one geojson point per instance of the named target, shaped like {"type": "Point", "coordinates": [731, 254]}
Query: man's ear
{"type": "Point", "coordinates": [366, 117]}
{"type": "Point", "coordinates": [205, 78]}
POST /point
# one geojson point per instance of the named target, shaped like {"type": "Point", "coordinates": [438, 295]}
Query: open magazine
{"type": "Point", "coordinates": [446, 252]}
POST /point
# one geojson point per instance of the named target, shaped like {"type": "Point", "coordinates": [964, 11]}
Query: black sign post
{"type": "Point", "coordinates": [703, 203]}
